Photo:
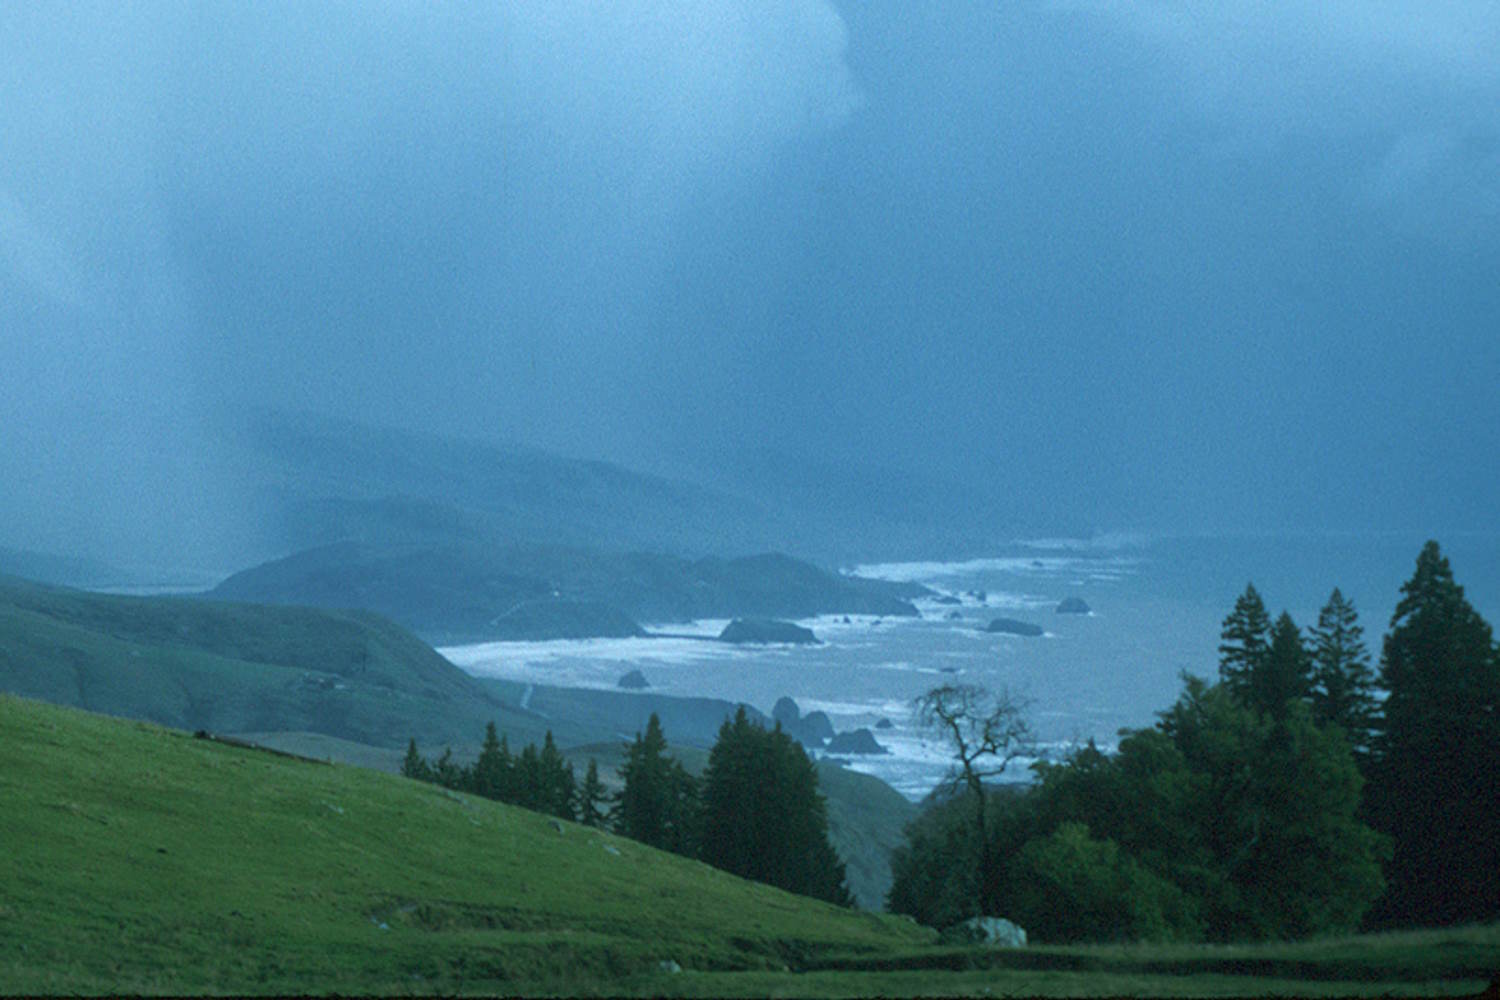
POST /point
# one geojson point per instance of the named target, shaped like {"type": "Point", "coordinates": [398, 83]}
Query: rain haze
{"type": "Point", "coordinates": [1089, 267]}
{"type": "Point", "coordinates": [1027, 467]}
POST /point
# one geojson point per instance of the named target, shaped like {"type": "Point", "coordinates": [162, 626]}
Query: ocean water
{"type": "Point", "coordinates": [1157, 605]}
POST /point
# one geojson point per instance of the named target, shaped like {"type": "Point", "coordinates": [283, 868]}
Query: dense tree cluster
{"type": "Point", "coordinates": [763, 817]}
{"type": "Point", "coordinates": [535, 779]}
{"type": "Point", "coordinates": [756, 812]}
{"type": "Point", "coordinates": [1286, 800]}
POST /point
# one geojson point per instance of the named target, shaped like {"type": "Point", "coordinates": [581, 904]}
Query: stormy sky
{"type": "Point", "coordinates": [1143, 265]}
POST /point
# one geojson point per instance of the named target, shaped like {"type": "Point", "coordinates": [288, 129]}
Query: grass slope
{"type": "Point", "coordinates": [237, 667]}
{"type": "Point", "coordinates": [139, 859]}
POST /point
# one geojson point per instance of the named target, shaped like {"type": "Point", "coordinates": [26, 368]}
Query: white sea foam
{"type": "Point", "coordinates": [501, 658]}
{"type": "Point", "coordinates": [936, 573]}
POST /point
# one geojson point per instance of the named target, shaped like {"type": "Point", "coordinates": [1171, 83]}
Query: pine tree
{"type": "Point", "coordinates": [1244, 641]}
{"type": "Point", "coordinates": [1283, 675]}
{"type": "Point", "coordinates": [591, 796]}
{"type": "Point", "coordinates": [1343, 691]}
{"type": "Point", "coordinates": [555, 783]}
{"type": "Point", "coordinates": [763, 817]}
{"type": "Point", "coordinates": [413, 765]}
{"type": "Point", "coordinates": [658, 804]}
{"type": "Point", "coordinates": [1436, 774]}
{"type": "Point", "coordinates": [528, 779]}
{"type": "Point", "coordinates": [491, 766]}
{"type": "Point", "coordinates": [448, 773]}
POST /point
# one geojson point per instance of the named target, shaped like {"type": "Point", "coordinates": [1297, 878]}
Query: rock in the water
{"type": "Point", "coordinates": [954, 616]}
{"type": "Point", "coordinates": [1073, 606]}
{"type": "Point", "coordinates": [987, 930]}
{"type": "Point", "coordinates": [946, 599]}
{"type": "Point", "coordinates": [1012, 626]}
{"type": "Point", "coordinates": [859, 741]}
{"type": "Point", "coordinates": [816, 727]}
{"type": "Point", "coordinates": [979, 595]}
{"type": "Point", "coordinates": [883, 724]}
{"type": "Point", "coordinates": [634, 681]}
{"type": "Point", "coordinates": [786, 712]}
{"type": "Point", "coordinates": [765, 630]}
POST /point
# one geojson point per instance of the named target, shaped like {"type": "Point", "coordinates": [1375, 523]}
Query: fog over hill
{"type": "Point", "coordinates": [835, 266]}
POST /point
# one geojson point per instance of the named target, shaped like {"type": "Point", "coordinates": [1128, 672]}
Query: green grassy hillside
{"type": "Point", "coordinates": [237, 667]}
{"type": "Point", "coordinates": [142, 860]}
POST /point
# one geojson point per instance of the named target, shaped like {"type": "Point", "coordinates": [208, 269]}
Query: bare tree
{"type": "Point", "coordinates": [987, 731]}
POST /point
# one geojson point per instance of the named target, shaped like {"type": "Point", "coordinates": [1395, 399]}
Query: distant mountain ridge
{"type": "Point", "coordinates": [235, 667]}
{"type": "Point", "coordinates": [534, 592]}
{"type": "Point", "coordinates": [333, 480]}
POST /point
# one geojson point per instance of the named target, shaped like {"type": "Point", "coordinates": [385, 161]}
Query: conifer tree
{"type": "Point", "coordinates": [447, 772]}
{"type": "Point", "coordinates": [591, 797]}
{"type": "Point", "coordinates": [1436, 774]}
{"type": "Point", "coordinates": [763, 817]}
{"type": "Point", "coordinates": [528, 779]}
{"type": "Point", "coordinates": [1283, 675]}
{"type": "Point", "coordinates": [413, 765]}
{"type": "Point", "coordinates": [1343, 691]}
{"type": "Point", "coordinates": [556, 786]}
{"type": "Point", "coordinates": [1244, 641]}
{"type": "Point", "coordinates": [658, 804]}
{"type": "Point", "coordinates": [491, 766]}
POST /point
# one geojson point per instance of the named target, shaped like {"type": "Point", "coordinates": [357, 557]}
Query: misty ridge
{"type": "Point", "coordinates": [1024, 472]}
{"type": "Point", "coordinates": [823, 257]}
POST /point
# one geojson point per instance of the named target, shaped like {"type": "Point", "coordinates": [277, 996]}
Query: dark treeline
{"type": "Point", "coordinates": [755, 812]}
{"type": "Point", "coordinates": [1303, 793]}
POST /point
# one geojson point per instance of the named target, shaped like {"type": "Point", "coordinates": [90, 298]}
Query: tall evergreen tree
{"type": "Point", "coordinates": [591, 797]}
{"type": "Point", "coordinates": [1343, 691]}
{"type": "Point", "coordinates": [763, 817]}
{"type": "Point", "coordinates": [413, 765]}
{"type": "Point", "coordinates": [1283, 675]}
{"type": "Point", "coordinates": [491, 766]}
{"type": "Point", "coordinates": [658, 804]}
{"type": "Point", "coordinates": [1244, 641]}
{"type": "Point", "coordinates": [528, 778]}
{"type": "Point", "coordinates": [448, 773]}
{"type": "Point", "coordinates": [556, 786]}
{"type": "Point", "coordinates": [1436, 785]}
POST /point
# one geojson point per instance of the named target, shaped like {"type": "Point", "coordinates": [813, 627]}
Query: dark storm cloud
{"type": "Point", "coordinates": [1134, 266]}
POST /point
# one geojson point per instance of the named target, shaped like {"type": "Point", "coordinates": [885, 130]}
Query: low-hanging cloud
{"type": "Point", "coordinates": [1410, 87]}
{"type": "Point", "coordinates": [371, 210]}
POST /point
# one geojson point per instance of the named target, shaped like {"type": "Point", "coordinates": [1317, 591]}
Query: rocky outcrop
{"type": "Point", "coordinates": [1073, 606]}
{"type": "Point", "coordinates": [817, 727]}
{"type": "Point", "coordinates": [766, 630]}
{"type": "Point", "coordinates": [811, 730]}
{"type": "Point", "coordinates": [634, 681]}
{"type": "Point", "coordinates": [987, 930]}
{"type": "Point", "coordinates": [786, 712]}
{"type": "Point", "coordinates": [1014, 626]}
{"type": "Point", "coordinates": [861, 741]}
{"type": "Point", "coordinates": [884, 724]}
